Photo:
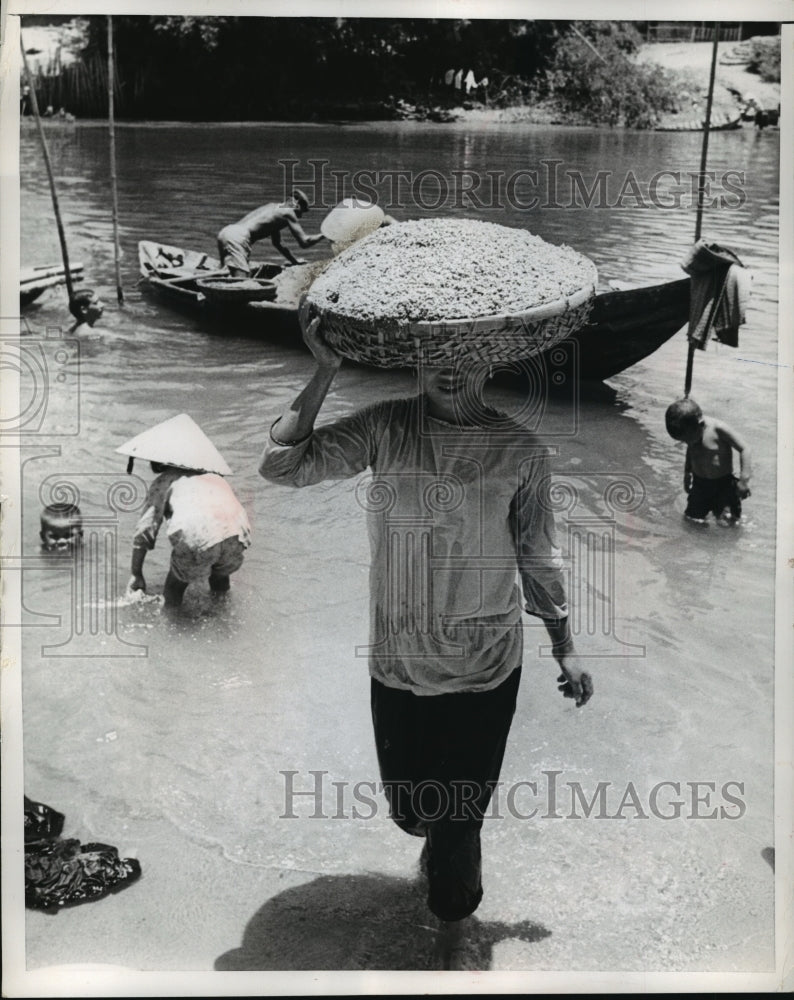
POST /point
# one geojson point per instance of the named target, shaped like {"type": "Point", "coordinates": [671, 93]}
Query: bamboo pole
{"type": "Point", "coordinates": [113, 185]}
{"type": "Point", "coordinates": [704, 152]}
{"type": "Point", "coordinates": [690, 362]}
{"type": "Point", "coordinates": [56, 208]}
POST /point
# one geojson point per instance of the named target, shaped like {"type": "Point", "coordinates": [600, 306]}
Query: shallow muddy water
{"type": "Point", "coordinates": [133, 719]}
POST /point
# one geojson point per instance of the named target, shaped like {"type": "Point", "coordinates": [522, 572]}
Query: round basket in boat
{"type": "Point", "coordinates": [438, 291]}
{"type": "Point", "coordinates": [237, 290]}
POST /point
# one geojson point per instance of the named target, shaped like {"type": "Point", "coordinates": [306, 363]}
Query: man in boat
{"type": "Point", "coordinates": [455, 508]}
{"type": "Point", "coordinates": [235, 240]}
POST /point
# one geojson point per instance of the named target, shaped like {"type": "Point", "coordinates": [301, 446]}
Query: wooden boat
{"type": "Point", "coordinates": [172, 276]}
{"type": "Point", "coordinates": [34, 280]}
{"type": "Point", "coordinates": [697, 125]}
{"type": "Point", "coordinates": [625, 325]}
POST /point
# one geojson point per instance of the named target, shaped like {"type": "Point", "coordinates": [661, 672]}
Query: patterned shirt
{"type": "Point", "coordinates": [200, 508]}
{"type": "Point", "coordinates": [454, 515]}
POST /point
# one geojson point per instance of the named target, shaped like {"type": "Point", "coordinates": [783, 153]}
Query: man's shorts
{"type": "Point", "coordinates": [713, 495]}
{"type": "Point", "coordinates": [189, 564]}
{"type": "Point", "coordinates": [234, 249]}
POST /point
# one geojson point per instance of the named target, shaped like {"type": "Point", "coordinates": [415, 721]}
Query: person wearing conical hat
{"type": "Point", "coordinates": [206, 524]}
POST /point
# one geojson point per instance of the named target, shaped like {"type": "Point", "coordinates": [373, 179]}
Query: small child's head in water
{"type": "Point", "coordinates": [86, 306]}
{"type": "Point", "coordinates": [61, 526]}
{"type": "Point", "coordinates": [684, 420]}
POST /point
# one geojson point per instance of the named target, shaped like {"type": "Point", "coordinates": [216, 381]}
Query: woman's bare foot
{"type": "Point", "coordinates": [451, 943]}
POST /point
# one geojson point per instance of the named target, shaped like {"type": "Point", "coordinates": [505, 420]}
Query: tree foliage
{"type": "Point", "coordinates": [279, 67]}
{"type": "Point", "coordinates": [263, 68]}
{"type": "Point", "coordinates": [765, 58]}
{"type": "Point", "coordinates": [600, 81]}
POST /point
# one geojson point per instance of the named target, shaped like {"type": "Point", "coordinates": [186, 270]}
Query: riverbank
{"type": "Point", "coordinates": [568, 94]}
{"type": "Point", "coordinates": [734, 85]}
{"type": "Point", "coordinates": [690, 62]}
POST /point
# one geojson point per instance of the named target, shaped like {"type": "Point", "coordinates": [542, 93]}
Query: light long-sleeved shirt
{"type": "Point", "coordinates": [454, 515]}
{"type": "Point", "coordinates": [200, 510]}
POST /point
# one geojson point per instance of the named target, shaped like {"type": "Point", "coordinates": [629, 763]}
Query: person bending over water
{"type": "Point", "coordinates": [708, 469]}
{"type": "Point", "coordinates": [206, 524]}
{"type": "Point", "coordinates": [455, 515]}
{"type": "Point", "coordinates": [235, 241]}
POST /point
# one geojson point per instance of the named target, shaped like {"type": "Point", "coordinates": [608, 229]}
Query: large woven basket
{"type": "Point", "coordinates": [490, 339]}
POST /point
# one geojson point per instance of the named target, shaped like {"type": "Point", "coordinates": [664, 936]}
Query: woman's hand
{"type": "Point", "coordinates": [574, 682]}
{"type": "Point", "coordinates": [325, 356]}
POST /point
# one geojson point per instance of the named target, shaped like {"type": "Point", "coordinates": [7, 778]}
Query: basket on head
{"type": "Point", "coordinates": [491, 339]}
{"type": "Point", "coordinates": [237, 290]}
{"type": "Point", "coordinates": [441, 290]}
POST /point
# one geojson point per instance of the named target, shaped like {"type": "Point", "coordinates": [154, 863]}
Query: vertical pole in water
{"type": "Point", "coordinates": [706, 125]}
{"type": "Point", "coordinates": [690, 361]}
{"type": "Point", "coordinates": [56, 209]}
{"type": "Point", "coordinates": [704, 152]}
{"type": "Point", "coordinates": [113, 187]}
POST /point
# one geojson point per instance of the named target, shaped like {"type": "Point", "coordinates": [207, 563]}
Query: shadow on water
{"type": "Point", "coordinates": [357, 922]}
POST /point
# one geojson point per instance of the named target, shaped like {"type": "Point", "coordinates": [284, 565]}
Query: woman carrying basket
{"type": "Point", "coordinates": [455, 513]}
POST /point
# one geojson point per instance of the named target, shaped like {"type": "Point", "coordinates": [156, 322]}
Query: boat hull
{"type": "Point", "coordinates": [696, 125]}
{"type": "Point", "coordinates": [624, 326]}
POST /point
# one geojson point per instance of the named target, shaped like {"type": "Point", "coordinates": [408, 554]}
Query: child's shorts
{"type": "Point", "coordinates": [189, 564]}
{"type": "Point", "coordinates": [713, 495]}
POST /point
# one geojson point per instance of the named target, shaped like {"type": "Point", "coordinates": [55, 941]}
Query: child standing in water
{"type": "Point", "coordinates": [708, 470]}
{"type": "Point", "coordinates": [207, 526]}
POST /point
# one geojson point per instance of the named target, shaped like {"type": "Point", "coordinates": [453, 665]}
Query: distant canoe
{"type": "Point", "coordinates": [698, 125]}
{"type": "Point", "coordinates": [624, 327]}
{"type": "Point", "coordinates": [35, 280]}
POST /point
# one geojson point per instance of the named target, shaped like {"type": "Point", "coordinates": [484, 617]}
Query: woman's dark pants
{"type": "Point", "coordinates": [440, 757]}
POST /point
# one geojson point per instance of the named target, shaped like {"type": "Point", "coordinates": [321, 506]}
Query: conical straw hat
{"type": "Point", "coordinates": [351, 220]}
{"type": "Point", "coordinates": [179, 442]}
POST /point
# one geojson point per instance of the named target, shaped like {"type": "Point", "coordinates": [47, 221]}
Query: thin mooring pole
{"type": "Point", "coordinates": [706, 125]}
{"type": "Point", "coordinates": [690, 360]}
{"type": "Point", "coordinates": [113, 187]}
{"type": "Point", "coordinates": [61, 235]}
{"type": "Point", "coordinates": [704, 152]}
